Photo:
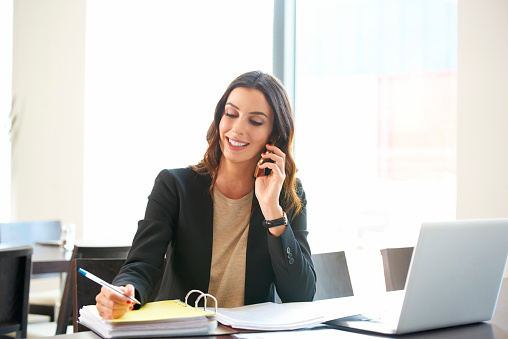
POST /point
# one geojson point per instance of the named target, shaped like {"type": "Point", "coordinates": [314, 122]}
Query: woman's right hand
{"type": "Point", "coordinates": [112, 305]}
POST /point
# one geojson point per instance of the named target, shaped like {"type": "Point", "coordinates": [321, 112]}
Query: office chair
{"type": "Point", "coordinates": [333, 279]}
{"type": "Point", "coordinates": [30, 233]}
{"type": "Point", "coordinates": [14, 286]}
{"type": "Point", "coordinates": [65, 313]}
{"type": "Point", "coordinates": [396, 263]}
{"type": "Point", "coordinates": [84, 290]}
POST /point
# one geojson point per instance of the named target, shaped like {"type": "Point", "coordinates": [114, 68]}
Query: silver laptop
{"type": "Point", "coordinates": [454, 279]}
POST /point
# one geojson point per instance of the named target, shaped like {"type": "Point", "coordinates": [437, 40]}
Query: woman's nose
{"type": "Point", "coordinates": [239, 127]}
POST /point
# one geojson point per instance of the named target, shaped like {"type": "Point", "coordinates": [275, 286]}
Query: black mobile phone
{"type": "Point", "coordinates": [257, 172]}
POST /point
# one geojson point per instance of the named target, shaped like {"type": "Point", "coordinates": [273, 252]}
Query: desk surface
{"type": "Point", "coordinates": [47, 258]}
{"type": "Point", "coordinates": [497, 328]}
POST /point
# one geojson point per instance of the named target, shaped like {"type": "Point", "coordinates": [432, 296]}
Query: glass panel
{"type": "Point", "coordinates": [375, 110]}
{"type": "Point", "coordinates": [155, 71]}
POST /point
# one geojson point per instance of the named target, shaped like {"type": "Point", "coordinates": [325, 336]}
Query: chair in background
{"type": "Point", "coordinates": [31, 233]}
{"type": "Point", "coordinates": [396, 263]}
{"type": "Point", "coordinates": [333, 279]}
{"type": "Point", "coordinates": [15, 263]}
{"type": "Point", "coordinates": [110, 252]}
{"type": "Point", "coordinates": [84, 290]}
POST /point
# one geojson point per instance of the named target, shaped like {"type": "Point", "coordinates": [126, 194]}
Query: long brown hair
{"type": "Point", "coordinates": [283, 131]}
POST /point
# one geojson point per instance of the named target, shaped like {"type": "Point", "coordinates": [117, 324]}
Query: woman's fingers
{"type": "Point", "coordinates": [113, 305]}
{"type": "Point", "coordinates": [277, 156]}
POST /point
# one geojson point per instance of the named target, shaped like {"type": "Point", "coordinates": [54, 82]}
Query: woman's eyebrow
{"type": "Point", "coordinates": [230, 104]}
{"type": "Point", "coordinates": [238, 109]}
{"type": "Point", "coordinates": [259, 113]}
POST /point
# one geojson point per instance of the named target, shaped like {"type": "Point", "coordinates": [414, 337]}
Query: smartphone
{"type": "Point", "coordinates": [257, 172]}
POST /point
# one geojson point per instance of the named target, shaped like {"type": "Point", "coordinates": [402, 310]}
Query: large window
{"type": "Point", "coordinates": [155, 71]}
{"type": "Point", "coordinates": [375, 105]}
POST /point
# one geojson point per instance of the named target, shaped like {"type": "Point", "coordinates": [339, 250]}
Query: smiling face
{"type": "Point", "coordinates": [245, 126]}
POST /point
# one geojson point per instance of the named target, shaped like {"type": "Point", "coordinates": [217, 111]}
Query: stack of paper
{"type": "Point", "coordinates": [161, 318]}
{"type": "Point", "coordinates": [267, 317]}
{"type": "Point", "coordinates": [289, 316]}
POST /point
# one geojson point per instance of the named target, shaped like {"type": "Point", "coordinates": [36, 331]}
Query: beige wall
{"type": "Point", "coordinates": [48, 92]}
{"type": "Point", "coordinates": [482, 145]}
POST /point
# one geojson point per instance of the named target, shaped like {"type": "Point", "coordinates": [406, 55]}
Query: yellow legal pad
{"type": "Point", "coordinates": [161, 311]}
{"type": "Point", "coordinates": [168, 317]}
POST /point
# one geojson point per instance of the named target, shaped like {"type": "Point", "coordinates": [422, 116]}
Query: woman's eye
{"type": "Point", "coordinates": [230, 115]}
{"type": "Point", "coordinates": [256, 123]}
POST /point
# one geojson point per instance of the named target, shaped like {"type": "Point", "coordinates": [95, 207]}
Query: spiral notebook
{"type": "Point", "coordinates": [160, 318]}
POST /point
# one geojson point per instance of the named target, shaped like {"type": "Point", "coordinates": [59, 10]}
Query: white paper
{"type": "Point", "coordinates": [288, 316]}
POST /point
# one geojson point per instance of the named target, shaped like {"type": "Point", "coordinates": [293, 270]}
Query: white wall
{"type": "Point", "coordinates": [482, 151]}
{"type": "Point", "coordinates": [6, 11]}
{"type": "Point", "coordinates": [48, 92]}
{"type": "Point", "coordinates": [482, 145]}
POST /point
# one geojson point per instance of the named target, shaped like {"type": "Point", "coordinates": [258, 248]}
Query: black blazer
{"type": "Point", "coordinates": [178, 223]}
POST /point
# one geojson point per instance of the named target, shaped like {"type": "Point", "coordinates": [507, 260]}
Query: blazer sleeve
{"type": "Point", "coordinates": [295, 279]}
{"type": "Point", "coordinates": [145, 262]}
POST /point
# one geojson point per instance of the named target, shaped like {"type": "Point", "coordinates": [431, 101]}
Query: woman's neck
{"type": "Point", "coordinates": [235, 180]}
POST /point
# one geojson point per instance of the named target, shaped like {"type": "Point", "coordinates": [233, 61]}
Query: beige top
{"type": "Point", "coordinates": [231, 218]}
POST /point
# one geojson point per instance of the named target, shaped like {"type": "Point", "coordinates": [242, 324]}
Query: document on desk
{"type": "Point", "coordinates": [160, 318]}
{"type": "Point", "coordinates": [289, 316]}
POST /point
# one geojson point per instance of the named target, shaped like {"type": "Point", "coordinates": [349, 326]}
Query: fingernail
{"type": "Point", "coordinates": [269, 144]}
{"type": "Point", "coordinates": [131, 307]}
{"type": "Point", "coordinates": [129, 302]}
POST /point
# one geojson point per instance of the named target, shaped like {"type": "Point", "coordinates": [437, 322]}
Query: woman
{"type": "Point", "coordinates": [222, 230]}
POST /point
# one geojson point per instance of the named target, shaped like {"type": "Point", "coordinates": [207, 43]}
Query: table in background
{"type": "Point", "coordinates": [50, 259]}
{"type": "Point", "coordinates": [497, 328]}
{"type": "Point", "coordinates": [47, 259]}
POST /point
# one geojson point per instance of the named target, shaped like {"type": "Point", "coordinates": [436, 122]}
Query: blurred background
{"type": "Point", "coordinates": [98, 96]}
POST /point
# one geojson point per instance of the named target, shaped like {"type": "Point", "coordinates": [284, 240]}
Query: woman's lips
{"type": "Point", "coordinates": [236, 144]}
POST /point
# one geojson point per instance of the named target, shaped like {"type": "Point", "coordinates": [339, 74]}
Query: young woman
{"type": "Point", "coordinates": [216, 226]}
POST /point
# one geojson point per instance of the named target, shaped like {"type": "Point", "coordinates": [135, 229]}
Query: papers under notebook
{"type": "Point", "coordinates": [290, 316]}
{"type": "Point", "coordinates": [161, 318]}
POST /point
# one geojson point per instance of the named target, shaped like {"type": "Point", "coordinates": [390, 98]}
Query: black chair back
{"type": "Point", "coordinates": [31, 233]}
{"type": "Point", "coordinates": [16, 264]}
{"type": "Point", "coordinates": [333, 279]}
{"type": "Point", "coordinates": [84, 289]}
{"type": "Point", "coordinates": [106, 252]}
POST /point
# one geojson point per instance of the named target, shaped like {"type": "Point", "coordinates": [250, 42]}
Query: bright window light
{"type": "Point", "coordinates": [155, 71]}
{"type": "Point", "coordinates": [376, 93]}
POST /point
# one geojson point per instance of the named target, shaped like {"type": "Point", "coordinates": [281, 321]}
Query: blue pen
{"type": "Point", "coordinates": [103, 283]}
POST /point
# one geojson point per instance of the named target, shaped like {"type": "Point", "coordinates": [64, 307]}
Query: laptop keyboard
{"type": "Point", "coordinates": [386, 310]}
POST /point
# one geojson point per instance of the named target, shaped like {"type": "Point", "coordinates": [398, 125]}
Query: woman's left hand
{"type": "Point", "coordinates": [268, 187]}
